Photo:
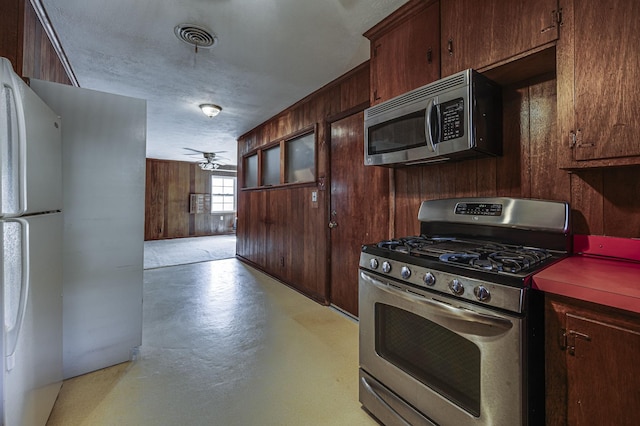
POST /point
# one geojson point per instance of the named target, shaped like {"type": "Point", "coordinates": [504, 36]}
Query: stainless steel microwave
{"type": "Point", "coordinates": [456, 117]}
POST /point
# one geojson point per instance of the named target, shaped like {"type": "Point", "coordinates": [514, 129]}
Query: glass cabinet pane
{"type": "Point", "coordinates": [251, 171]}
{"type": "Point", "coordinates": [301, 159]}
{"type": "Point", "coordinates": [271, 166]}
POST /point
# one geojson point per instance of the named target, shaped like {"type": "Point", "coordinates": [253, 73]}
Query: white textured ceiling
{"type": "Point", "coordinates": [270, 54]}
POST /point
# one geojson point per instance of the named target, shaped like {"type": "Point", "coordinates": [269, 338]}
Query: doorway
{"type": "Point", "coordinates": [359, 208]}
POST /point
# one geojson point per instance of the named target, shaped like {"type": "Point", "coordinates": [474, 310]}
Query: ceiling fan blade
{"type": "Point", "coordinates": [194, 150]}
{"type": "Point", "coordinates": [203, 152]}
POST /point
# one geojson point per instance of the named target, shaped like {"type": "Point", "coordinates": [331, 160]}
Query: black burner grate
{"type": "Point", "coordinates": [484, 255]}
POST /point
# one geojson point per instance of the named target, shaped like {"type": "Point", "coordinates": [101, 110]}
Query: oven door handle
{"type": "Point", "coordinates": [497, 324]}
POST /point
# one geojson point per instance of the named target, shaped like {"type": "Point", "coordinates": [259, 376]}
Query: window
{"type": "Point", "coordinates": [301, 159]}
{"type": "Point", "coordinates": [286, 161]}
{"type": "Point", "coordinates": [251, 171]}
{"type": "Point", "coordinates": [271, 166]}
{"type": "Point", "coordinates": [223, 194]}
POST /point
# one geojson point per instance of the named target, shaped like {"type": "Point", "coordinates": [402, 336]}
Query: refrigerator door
{"type": "Point", "coordinates": [30, 149]}
{"type": "Point", "coordinates": [32, 307]}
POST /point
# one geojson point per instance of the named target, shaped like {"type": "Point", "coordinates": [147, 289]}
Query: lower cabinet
{"type": "Point", "coordinates": [592, 364]}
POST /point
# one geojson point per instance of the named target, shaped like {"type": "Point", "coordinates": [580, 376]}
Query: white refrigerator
{"type": "Point", "coordinates": [31, 224]}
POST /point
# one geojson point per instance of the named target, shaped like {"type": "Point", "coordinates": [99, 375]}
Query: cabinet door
{"type": "Point", "coordinates": [606, 79]}
{"type": "Point", "coordinates": [603, 373]}
{"type": "Point", "coordinates": [251, 232]}
{"type": "Point", "coordinates": [278, 225]}
{"type": "Point", "coordinates": [476, 34]}
{"type": "Point", "coordinates": [407, 56]}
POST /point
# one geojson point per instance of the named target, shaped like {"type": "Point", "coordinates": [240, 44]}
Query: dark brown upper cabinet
{"type": "Point", "coordinates": [405, 52]}
{"type": "Point", "coordinates": [598, 84]}
{"type": "Point", "coordinates": [476, 34]}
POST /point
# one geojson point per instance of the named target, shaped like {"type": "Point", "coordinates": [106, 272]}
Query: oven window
{"type": "Point", "coordinates": [441, 359]}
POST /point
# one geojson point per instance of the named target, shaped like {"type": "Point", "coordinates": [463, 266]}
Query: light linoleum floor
{"type": "Point", "coordinates": [224, 344]}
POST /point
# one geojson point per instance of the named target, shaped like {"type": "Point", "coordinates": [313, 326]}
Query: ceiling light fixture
{"type": "Point", "coordinates": [209, 162]}
{"type": "Point", "coordinates": [209, 166]}
{"type": "Point", "coordinates": [210, 110]}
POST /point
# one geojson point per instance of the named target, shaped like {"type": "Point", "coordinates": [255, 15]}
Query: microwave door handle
{"type": "Point", "coordinates": [427, 124]}
{"type": "Point", "coordinates": [498, 325]}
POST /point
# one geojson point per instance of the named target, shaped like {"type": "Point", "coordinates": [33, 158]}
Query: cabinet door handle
{"type": "Point", "coordinates": [568, 340]}
{"type": "Point", "coordinates": [572, 139]}
{"type": "Point", "coordinates": [429, 55]}
{"type": "Point", "coordinates": [450, 46]}
{"type": "Point", "coordinates": [556, 19]}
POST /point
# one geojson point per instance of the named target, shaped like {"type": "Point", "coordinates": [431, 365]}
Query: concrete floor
{"type": "Point", "coordinates": [180, 251]}
{"type": "Point", "coordinates": [223, 344]}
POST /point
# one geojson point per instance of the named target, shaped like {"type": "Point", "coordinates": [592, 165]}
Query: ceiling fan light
{"type": "Point", "coordinates": [210, 110]}
{"type": "Point", "coordinates": [208, 166]}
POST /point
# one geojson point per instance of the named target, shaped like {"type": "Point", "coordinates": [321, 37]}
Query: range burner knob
{"type": "Point", "coordinates": [373, 263]}
{"type": "Point", "coordinates": [456, 287]}
{"type": "Point", "coordinates": [482, 293]}
{"type": "Point", "coordinates": [386, 267]}
{"type": "Point", "coordinates": [429, 279]}
{"type": "Point", "coordinates": [405, 272]}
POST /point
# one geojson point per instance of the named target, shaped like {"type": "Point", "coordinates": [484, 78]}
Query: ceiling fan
{"type": "Point", "coordinates": [210, 161]}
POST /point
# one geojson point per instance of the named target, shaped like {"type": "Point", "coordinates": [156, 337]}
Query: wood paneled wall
{"type": "Point", "coordinates": [11, 32]}
{"type": "Point", "coordinates": [40, 60]}
{"type": "Point", "coordinates": [279, 229]}
{"type": "Point", "coordinates": [603, 201]}
{"type": "Point", "coordinates": [168, 187]}
{"type": "Point", "coordinates": [527, 167]}
{"type": "Point", "coordinates": [25, 43]}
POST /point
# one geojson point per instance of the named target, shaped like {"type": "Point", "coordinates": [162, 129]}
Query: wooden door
{"type": "Point", "coordinates": [359, 207]}
{"type": "Point", "coordinates": [603, 374]}
{"type": "Point", "coordinates": [475, 34]}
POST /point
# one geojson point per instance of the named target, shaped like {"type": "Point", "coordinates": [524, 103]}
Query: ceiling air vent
{"type": "Point", "coordinates": [196, 35]}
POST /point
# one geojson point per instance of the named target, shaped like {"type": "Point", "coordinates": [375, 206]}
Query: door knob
{"type": "Point", "coordinates": [333, 224]}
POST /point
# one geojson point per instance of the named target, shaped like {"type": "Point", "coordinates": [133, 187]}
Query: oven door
{"type": "Point", "coordinates": [454, 362]}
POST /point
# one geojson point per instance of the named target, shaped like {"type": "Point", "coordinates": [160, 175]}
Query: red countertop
{"type": "Point", "coordinates": [596, 273]}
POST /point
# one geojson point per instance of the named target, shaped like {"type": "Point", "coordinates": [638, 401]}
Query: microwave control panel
{"type": "Point", "coordinates": [452, 119]}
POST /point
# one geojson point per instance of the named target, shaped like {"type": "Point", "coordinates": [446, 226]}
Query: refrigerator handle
{"type": "Point", "coordinates": [22, 137]}
{"type": "Point", "coordinates": [17, 104]}
{"type": "Point", "coordinates": [13, 334]}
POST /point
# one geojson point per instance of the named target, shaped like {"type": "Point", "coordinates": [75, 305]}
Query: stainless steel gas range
{"type": "Point", "coordinates": [450, 331]}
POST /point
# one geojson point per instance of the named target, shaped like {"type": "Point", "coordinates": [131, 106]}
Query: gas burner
{"type": "Point", "coordinates": [459, 257]}
{"type": "Point", "coordinates": [486, 262]}
{"type": "Point", "coordinates": [390, 244]}
{"type": "Point", "coordinates": [506, 259]}
{"type": "Point", "coordinates": [408, 244]}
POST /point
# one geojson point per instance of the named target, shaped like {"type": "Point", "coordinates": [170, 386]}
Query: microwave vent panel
{"type": "Point", "coordinates": [421, 93]}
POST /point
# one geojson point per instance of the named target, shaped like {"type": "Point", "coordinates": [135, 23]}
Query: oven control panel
{"type": "Point", "coordinates": [479, 209]}
{"type": "Point", "coordinates": [471, 289]}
